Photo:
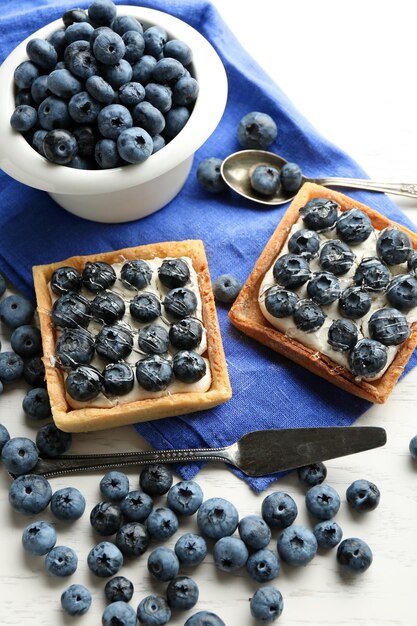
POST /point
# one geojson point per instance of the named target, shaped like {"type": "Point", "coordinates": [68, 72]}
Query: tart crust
{"type": "Point", "coordinates": [246, 314]}
{"type": "Point", "coordinates": [89, 418]}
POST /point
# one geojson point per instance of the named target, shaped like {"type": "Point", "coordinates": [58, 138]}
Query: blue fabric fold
{"type": "Point", "coordinates": [269, 391]}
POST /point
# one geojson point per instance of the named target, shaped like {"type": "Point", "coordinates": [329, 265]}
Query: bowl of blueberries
{"type": "Point", "coordinates": [105, 108]}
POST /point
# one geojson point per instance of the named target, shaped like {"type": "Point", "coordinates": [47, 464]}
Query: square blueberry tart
{"type": "Point", "coordinates": [335, 290]}
{"type": "Point", "coordinates": [130, 336]}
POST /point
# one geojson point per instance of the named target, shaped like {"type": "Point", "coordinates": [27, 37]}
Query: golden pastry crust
{"type": "Point", "coordinates": [246, 314]}
{"type": "Point", "coordinates": [89, 419]}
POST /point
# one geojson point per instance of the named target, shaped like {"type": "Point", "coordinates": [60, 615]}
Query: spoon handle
{"type": "Point", "coordinates": [401, 189]}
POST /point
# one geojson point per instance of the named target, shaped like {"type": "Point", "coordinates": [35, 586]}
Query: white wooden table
{"type": "Point", "coordinates": [350, 70]}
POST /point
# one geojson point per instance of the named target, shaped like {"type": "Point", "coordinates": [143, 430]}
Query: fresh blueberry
{"type": "Point", "coordinates": [185, 91]}
{"type": "Point", "coordinates": [83, 109]}
{"type": "Point", "coordinates": [291, 177]}
{"type": "Point", "coordinates": [393, 246]}
{"type": "Point", "coordinates": [132, 93]}
{"type": "Point", "coordinates": [162, 523]}
{"type": "Point", "coordinates": [112, 119]}
{"type": "Point", "coordinates": [163, 564]}
{"type": "Point", "coordinates": [99, 89]}
{"type": "Point", "coordinates": [176, 49]}
{"type": "Point", "coordinates": [41, 52]}
{"type": "Point", "coordinates": [4, 436]}
{"type": "Point", "coordinates": [135, 46]}
{"type": "Point", "coordinates": [133, 539]}
{"type": "Point", "coordinates": [263, 565]}
{"type": "Point", "coordinates": [297, 545]}
{"type": "Point", "coordinates": [63, 83]}
{"type": "Point", "coordinates": [136, 274]}
{"type": "Point", "coordinates": [118, 589]}
{"type": "Point", "coordinates": [254, 531]}
{"type": "Point", "coordinates": [11, 367]}
{"type": "Point", "coordinates": [388, 326]}
{"type": "Point", "coordinates": [114, 486]}
{"type": "Point", "coordinates": [23, 118]}
{"type": "Point", "coordinates": [142, 69]}
{"type": "Point", "coordinates": [279, 510]}
{"type": "Point", "coordinates": [401, 292]}
{"type": "Point", "coordinates": [118, 379]}
{"type": "Point", "coordinates": [308, 316]}
{"type": "Point", "coordinates": [117, 75]}
{"type": "Point", "coordinates": [76, 600]}
{"type": "Point", "coordinates": [291, 271]}
{"type": "Point", "coordinates": [372, 274]}
{"type": "Point", "coordinates": [39, 538]}
{"type": "Point", "coordinates": [148, 117]}
{"type": "Point", "coordinates": [119, 613]}
{"type": "Point", "coordinates": [185, 497]}
{"type": "Point", "coordinates": [180, 302]}
{"type": "Point", "coordinates": [154, 373]}
{"type": "Point", "coordinates": [328, 534]}
{"type": "Point", "coordinates": [39, 89]}
{"type": "Point", "coordinates": [108, 307]}
{"type": "Point", "coordinates": [230, 554]}
{"type": "Point", "coordinates": [412, 262]}
{"type": "Point", "coordinates": [304, 242]}
{"type": "Point", "coordinates": [57, 39]}
{"type": "Point", "coordinates": [83, 64]}
{"type": "Point", "coordinates": [66, 279]}
{"type": "Point", "coordinates": [108, 47]}
{"type": "Point", "coordinates": [319, 214]}
{"type": "Point", "coordinates": [256, 131]}
{"type": "Point", "coordinates": [19, 455]}
{"type": "Point", "coordinates": [30, 494]}
{"type": "Point", "coordinates": [75, 346]}
{"type": "Point", "coordinates": [153, 610]}
{"type": "Point", "coordinates": [60, 146]}
{"type": "Point", "coordinates": [217, 518]}
{"type": "Point", "coordinates": [71, 310]}
{"type": "Point", "coordinates": [74, 15]}
{"type": "Point", "coordinates": [312, 474]}
{"type": "Point", "coordinates": [106, 153]}
{"type": "Point", "coordinates": [155, 40]}
{"type": "Point", "coordinates": [182, 593]}
{"type": "Point", "coordinates": [52, 442]}
{"type": "Point", "coordinates": [84, 383]}
{"type": "Point", "coordinates": [191, 549]}
{"type": "Point", "coordinates": [367, 358]}
{"type": "Point", "coordinates": [53, 113]}
{"type": "Point", "coordinates": [25, 73]}
{"type": "Point", "coordinates": [175, 120]}
{"type": "Point", "coordinates": [265, 180]}
{"type": "Point", "coordinates": [136, 506]}
{"type": "Point", "coordinates": [167, 71]}
{"type": "Point", "coordinates": [226, 288]}
{"type": "Point", "coordinates": [16, 310]}
{"type": "Point", "coordinates": [24, 97]}
{"type": "Point", "coordinates": [155, 480]}
{"type": "Point", "coordinates": [134, 145]}
{"type": "Point", "coordinates": [114, 342]}
{"type": "Point", "coordinates": [322, 501]}
{"type": "Point", "coordinates": [186, 334]}
{"type": "Point", "coordinates": [98, 276]}
{"type": "Point", "coordinates": [354, 226]}
{"type": "Point", "coordinates": [280, 302]}
{"type": "Point", "coordinates": [323, 288]}
{"type": "Point", "coordinates": [61, 561]}
{"type": "Point", "coordinates": [75, 47]}
{"type": "Point", "coordinates": [67, 504]}
{"type": "Point", "coordinates": [342, 335]}
{"type": "Point", "coordinates": [413, 447]}
{"type": "Point", "coordinates": [145, 307]}
{"type": "Point", "coordinates": [26, 341]}
{"type": "Point", "coordinates": [174, 273]}
{"type": "Point", "coordinates": [106, 518]}
{"type": "Point", "coordinates": [125, 23]}
{"type": "Point", "coordinates": [34, 372]}
{"type": "Point", "coordinates": [354, 302]}
{"type": "Point", "coordinates": [336, 257]}
{"type": "Point", "coordinates": [188, 366]}
{"type": "Point", "coordinates": [102, 12]}
{"type": "Point", "coordinates": [354, 555]}
{"type": "Point", "coordinates": [363, 496]}
{"type": "Point", "coordinates": [204, 618]}
{"type": "Point", "coordinates": [266, 605]}
{"type": "Point", "coordinates": [105, 559]}
{"type": "Point", "coordinates": [79, 31]}
{"type": "Point", "coordinates": [209, 177]}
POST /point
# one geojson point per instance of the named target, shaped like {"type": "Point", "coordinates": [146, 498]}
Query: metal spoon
{"type": "Point", "coordinates": [237, 168]}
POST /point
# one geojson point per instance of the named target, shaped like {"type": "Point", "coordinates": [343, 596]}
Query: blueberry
{"type": "Point", "coordinates": [175, 120]}
{"type": "Point", "coordinates": [145, 307]}
{"type": "Point", "coordinates": [66, 279]}
{"type": "Point", "coordinates": [155, 40]}
{"type": "Point", "coordinates": [167, 71]}
{"type": "Point", "coordinates": [153, 610]}
{"type": "Point", "coordinates": [134, 145]}
{"type": "Point", "coordinates": [108, 307]}
{"type": "Point", "coordinates": [11, 367]}
{"type": "Point", "coordinates": [132, 93]}
{"type": "Point", "coordinates": [291, 177]}
{"type": "Point", "coordinates": [185, 497]}
{"type": "Point", "coordinates": [112, 119]}
{"type": "Point", "coordinates": [217, 518]}
{"type": "Point", "coordinates": [265, 180]}
{"type": "Point", "coordinates": [64, 84]}
{"type": "Point", "coordinates": [99, 89]}
{"type": "Point", "coordinates": [323, 288]}
{"type": "Point", "coordinates": [180, 302]}
{"type": "Point", "coordinates": [53, 113]}
{"type": "Point", "coordinates": [82, 64]}
{"type": "Point", "coordinates": [279, 510]}
{"type": "Point", "coordinates": [102, 12]}
{"type": "Point", "coordinates": [34, 372]}
{"type": "Point", "coordinates": [191, 549]}
{"type": "Point", "coordinates": [109, 48]}
{"type": "Point", "coordinates": [413, 447]}
{"type": "Point", "coordinates": [39, 538]}
{"type": "Point", "coordinates": [367, 358]}
{"type": "Point", "coordinates": [179, 50]}
{"type": "Point", "coordinates": [412, 262]}
{"type": "Point", "coordinates": [354, 555]}
{"type": "Point", "coordinates": [230, 554]}
{"type": "Point", "coordinates": [393, 246]}
{"type": "Point", "coordinates": [52, 442]}
{"type": "Point", "coordinates": [342, 335]}
{"type": "Point", "coordinates": [19, 455]}
{"type": "Point", "coordinates": [133, 539]}
{"type": "Point", "coordinates": [118, 589]}
{"type": "Point", "coordinates": [354, 226]}
{"type": "Point", "coordinates": [41, 52]}
{"type": "Point", "coordinates": [4, 436]}
{"type": "Point", "coordinates": [26, 341]}
{"type": "Point", "coordinates": [304, 242]}
{"type": "Point", "coordinates": [105, 559]}
{"type": "Point", "coordinates": [76, 600]}
{"type": "Point", "coordinates": [60, 146]}
{"type": "Point", "coordinates": [114, 486]}
{"type": "Point", "coordinates": [142, 69]}
{"type": "Point", "coordinates": [162, 523]}
{"type": "Point", "coordinates": [209, 177]}
{"type": "Point", "coordinates": [155, 480]}
{"type": "Point", "coordinates": [291, 271]}
{"type": "Point", "coordinates": [37, 141]}
{"type": "Point", "coordinates": [57, 39]}
{"type": "Point", "coordinates": [319, 214]}
{"type": "Point", "coordinates": [322, 501]}
{"type": "Point", "coordinates": [308, 316]}
{"type": "Point", "coordinates": [363, 495]}
{"type": "Point", "coordinates": [125, 23]}
{"type": "Point", "coordinates": [67, 504]}
{"type": "Point", "coordinates": [30, 494]}
{"type": "Point", "coordinates": [186, 334]}
{"type": "Point", "coordinates": [154, 373]}
{"type": "Point", "coordinates": [24, 97]}
{"type": "Point", "coordinates": [182, 593]}
{"type": "Point", "coordinates": [118, 379]}
{"type": "Point", "coordinates": [226, 288]}
{"type": "Point", "coordinates": [75, 346]}
{"type": "Point", "coordinates": [388, 326]}
{"type": "Point", "coordinates": [78, 31]}
{"type": "Point", "coordinates": [354, 302]}
{"type": "Point", "coordinates": [135, 46]}
{"type": "Point", "coordinates": [297, 545]}
{"type": "Point", "coordinates": [328, 534]}
{"type": "Point", "coordinates": [401, 292]}
{"type": "Point", "coordinates": [106, 153]}
{"type": "Point", "coordinates": [83, 109]}
{"type": "Point", "coordinates": [254, 531]}
{"type": "Point", "coordinates": [73, 16]}
{"type": "Point", "coordinates": [188, 366]}
{"type": "Point", "coordinates": [174, 273]}
{"type": "Point", "coordinates": [280, 302]}
{"type": "Point", "coordinates": [23, 118]}
{"type": "Point", "coordinates": [263, 565]}
{"type": "Point", "coordinates": [136, 506]}
{"type": "Point", "coordinates": [160, 96]}
{"type": "Point", "coordinates": [61, 561]}
{"type": "Point", "coordinates": [114, 342]}
{"type": "Point", "coordinates": [106, 518]}
{"type": "Point", "coordinates": [266, 605]}
{"type": "Point", "coordinates": [39, 89]}
{"type": "Point", "coordinates": [204, 618]}
{"type": "Point", "coordinates": [119, 613]}
{"type": "Point", "coordinates": [372, 274]}
{"type": "Point", "coordinates": [185, 91]}
{"type": "Point", "coordinates": [136, 274]}
{"type": "Point", "coordinates": [117, 75]}
{"type": "Point", "coordinates": [256, 131]}
{"type": "Point", "coordinates": [25, 73]}
{"type": "Point", "coordinates": [84, 383]}
{"type": "Point", "coordinates": [98, 276]}
{"type": "Point", "coordinates": [336, 257]}
{"type": "Point", "coordinates": [163, 564]}
{"type": "Point", "coordinates": [16, 310]}
{"type": "Point", "coordinates": [312, 474]}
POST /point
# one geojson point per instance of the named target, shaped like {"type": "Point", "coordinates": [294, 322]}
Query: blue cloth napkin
{"type": "Point", "coordinates": [269, 391]}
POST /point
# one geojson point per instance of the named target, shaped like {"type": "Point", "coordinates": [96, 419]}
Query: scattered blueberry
{"type": "Point", "coordinates": [291, 271]}
{"type": "Point", "coordinates": [230, 554]}
{"type": "Point", "coordinates": [156, 480]}
{"type": "Point", "coordinates": [4, 436]}
{"type": "Point", "coordinates": [154, 373]}
{"type": "Point", "coordinates": [388, 326]}
{"type": "Point", "coordinates": [204, 618]}
{"type": "Point", "coordinates": [297, 545]}
{"type": "Point", "coordinates": [291, 177]}
{"type": "Point", "coordinates": [136, 506]}
{"type": "Point", "coordinates": [120, 613]}
{"type": "Point", "coordinates": [256, 131]}
{"type": "Point", "coordinates": [132, 539]}
{"type": "Point", "coordinates": [209, 176]}
{"type": "Point", "coordinates": [280, 302]}
{"type": "Point", "coordinates": [279, 510]}
{"type": "Point", "coordinates": [312, 474]}
{"type": "Point", "coordinates": [217, 518]}
{"type": "Point", "coordinates": [354, 226]}
{"type": "Point", "coordinates": [84, 383]}
{"type": "Point", "coordinates": [226, 288]}
{"type": "Point", "coordinates": [323, 288]}
{"type": "Point", "coordinates": [153, 610]}
{"type": "Point", "coordinates": [319, 214]}
{"type": "Point", "coordinates": [402, 292]}
{"type": "Point", "coordinates": [342, 335]}
{"type": "Point", "coordinates": [367, 358]}
{"type": "Point", "coordinates": [328, 534]}
{"type": "Point", "coordinates": [263, 565]}
{"type": "Point", "coordinates": [19, 455]}
{"type": "Point", "coordinates": [372, 274]}
{"type": "Point", "coordinates": [39, 538]}
{"type": "Point", "coordinates": [11, 367]}
{"type": "Point", "coordinates": [30, 494]}
{"type": "Point", "coordinates": [34, 372]}
{"type": "Point", "coordinates": [304, 242]}
{"type": "Point", "coordinates": [51, 441]}
{"type": "Point", "coordinates": [106, 518]}
{"type": "Point", "coordinates": [322, 501]}
{"type": "Point", "coordinates": [393, 246]}
{"type": "Point", "coordinates": [354, 302]}
{"type": "Point", "coordinates": [308, 316]}
{"type": "Point", "coordinates": [265, 180]}
{"type": "Point", "coordinates": [67, 504]}
{"type": "Point", "coordinates": [185, 497]}
{"type": "Point", "coordinates": [336, 257]}
{"type": "Point", "coordinates": [182, 593]}
{"type": "Point", "coordinates": [354, 555]}
{"type": "Point", "coordinates": [413, 447]}
{"type": "Point", "coordinates": [118, 589]}
{"type": "Point", "coordinates": [163, 564]}
{"type": "Point", "coordinates": [61, 561]}
{"type": "Point", "coordinates": [254, 531]}
{"type": "Point", "coordinates": [105, 559]}
{"type": "Point", "coordinates": [16, 310]}
{"type": "Point", "coordinates": [363, 495]}
{"type": "Point", "coordinates": [266, 605]}
{"type": "Point", "coordinates": [191, 549]}
{"type": "Point", "coordinates": [114, 486]}
{"type": "Point", "coordinates": [76, 600]}
{"type": "Point", "coordinates": [162, 523]}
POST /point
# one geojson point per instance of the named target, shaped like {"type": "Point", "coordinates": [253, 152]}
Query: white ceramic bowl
{"type": "Point", "coordinates": [133, 191]}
